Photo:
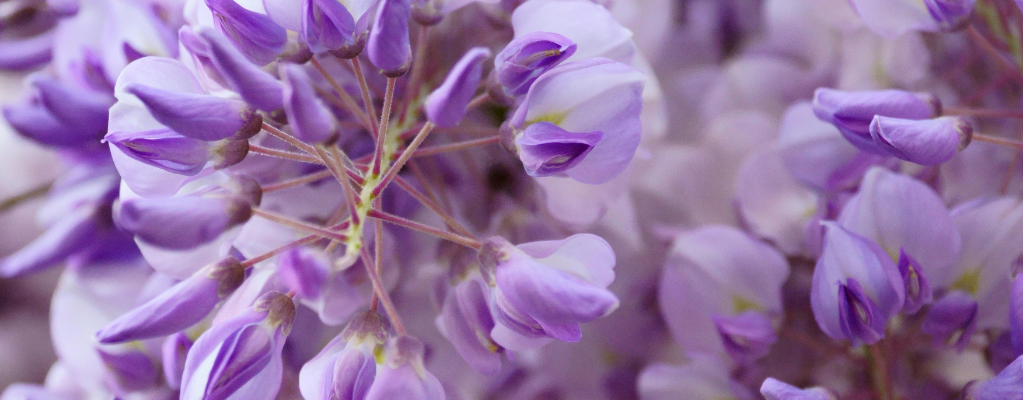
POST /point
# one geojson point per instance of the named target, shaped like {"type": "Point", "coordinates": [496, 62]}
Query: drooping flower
{"type": "Point", "coordinates": [925, 142]}
{"type": "Point", "coordinates": [853, 112]}
{"type": "Point", "coordinates": [527, 57]}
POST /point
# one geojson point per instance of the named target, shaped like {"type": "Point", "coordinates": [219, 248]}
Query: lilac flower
{"type": "Point", "coordinates": [319, 286]}
{"type": "Point", "coordinates": [816, 153]}
{"type": "Point", "coordinates": [952, 319]}
{"type": "Point", "coordinates": [172, 152]}
{"type": "Point", "coordinates": [346, 368]}
{"type": "Point", "coordinates": [401, 375]}
{"type": "Point", "coordinates": [328, 26]}
{"type": "Point", "coordinates": [892, 18]}
{"type": "Point", "coordinates": [254, 85]}
{"type": "Point", "coordinates": [701, 376]}
{"type": "Point", "coordinates": [546, 289]}
{"type": "Point", "coordinates": [255, 34]}
{"type": "Point", "coordinates": [198, 116]}
{"type": "Point", "coordinates": [446, 106]}
{"type": "Point", "coordinates": [241, 358]}
{"type": "Point", "coordinates": [581, 98]}
{"type": "Point", "coordinates": [466, 321]}
{"type": "Point", "coordinates": [773, 389]}
{"type": "Point", "coordinates": [529, 56]}
{"type": "Point", "coordinates": [856, 287]}
{"type": "Point", "coordinates": [720, 290]}
{"type": "Point", "coordinates": [925, 142]}
{"type": "Point", "coordinates": [592, 27]}
{"type": "Point", "coordinates": [853, 112]}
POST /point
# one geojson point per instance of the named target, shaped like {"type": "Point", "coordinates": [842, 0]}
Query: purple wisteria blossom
{"type": "Point", "coordinates": [511, 200]}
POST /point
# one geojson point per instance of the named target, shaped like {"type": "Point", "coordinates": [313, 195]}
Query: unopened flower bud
{"type": "Point", "coordinates": [199, 116]}
{"type": "Point", "coordinates": [925, 142]}
{"type": "Point", "coordinates": [388, 43]}
{"type": "Point", "coordinates": [255, 34]}
{"type": "Point", "coordinates": [446, 106]}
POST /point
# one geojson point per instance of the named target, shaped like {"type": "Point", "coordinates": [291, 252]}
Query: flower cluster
{"type": "Point", "coordinates": [539, 199]}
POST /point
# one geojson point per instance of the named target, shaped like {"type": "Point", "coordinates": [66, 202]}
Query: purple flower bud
{"type": "Point", "coordinates": [84, 110]}
{"type": "Point", "coordinates": [240, 358]}
{"type": "Point", "coordinates": [388, 43]}
{"type": "Point", "coordinates": [35, 122]}
{"type": "Point", "coordinates": [952, 320]}
{"type": "Point", "coordinates": [853, 112]}
{"type": "Point", "coordinates": [529, 56]}
{"type": "Point", "coordinates": [401, 374]}
{"type": "Point", "coordinates": [545, 149]}
{"type": "Point", "coordinates": [199, 116]}
{"type": "Point", "coordinates": [747, 337]}
{"type": "Point", "coordinates": [302, 271]}
{"type": "Point", "coordinates": [164, 149]}
{"type": "Point", "coordinates": [255, 34]}
{"type": "Point", "coordinates": [26, 53]}
{"type": "Point", "coordinates": [1007, 385]}
{"type": "Point", "coordinates": [327, 25]}
{"type": "Point", "coordinates": [254, 85]}
{"type": "Point", "coordinates": [181, 222]}
{"type": "Point", "coordinates": [346, 367]}
{"type": "Point", "coordinates": [132, 370]}
{"type": "Point", "coordinates": [950, 14]}
{"type": "Point", "coordinates": [925, 142]}
{"type": "Point", "coordinates": [311, 121]}
{"type": "Point", "coordinates": [773, 389]}
{"type": "Point", "coordinates": [72, 234]}
{"type": "Point", "coordinates": [918, 288]}
{"type": "Point", "coordinates": [856, 287]}
{"type": "Point", "coordinates": [183, 305]}
{"type": "Point", "coordinates": [467, 322]}
{"type": "Point", "coordinates": [174, 350]}
{"type": "Point", "coordinates": [446, 106]}
{"type": "Point", "coordinates": [546, 289]}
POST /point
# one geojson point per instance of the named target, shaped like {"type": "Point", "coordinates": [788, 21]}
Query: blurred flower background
{"type": "Point", "coordinates": [622, 199]}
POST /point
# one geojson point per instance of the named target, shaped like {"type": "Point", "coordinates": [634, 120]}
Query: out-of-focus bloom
{"type": "Point", "coordinates": [892, 18]}
{"type": "Point", "coordinates": [720, 291]}
{"type": "Point", "coordinates": [347, 366]}
{"type": "Point", "coordinates": [400, 374]}
{"type": "Point", "coordinates": [466, 321]}
{"type": "Point", "coordinates": [1007, 385]}
{"type": "Point", "coordinates": [952, 319]}
{"type": "Point", "coordinates": [701, 377]}
{"type": "Point", "coordinates": [856, 287]}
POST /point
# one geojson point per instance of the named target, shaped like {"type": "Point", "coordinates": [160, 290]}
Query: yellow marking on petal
{"type": "Point", "coordinates": [741, 304]}
{"type": "Point", "coordinates": [968, 282]}
{"type": "Point", "coordinates": [554, 118]}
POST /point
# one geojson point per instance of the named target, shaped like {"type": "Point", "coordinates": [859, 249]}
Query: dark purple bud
{"type": "Point", "coordinates": [183, 305]}
{"type": "Point", "coordinates": [72, 234]}
{"type": "Point", "coordinates": [326, 25]}
{"type": "Point", "coordinates": [255, 34]}
{"type": "Point", "coordinates": [952, 320]}
{"type": "Point", "coordinates": [747, 337]}
{"type": "Point", "coordinates": [302, 271]}
{"type": "Point", "coordinates": [467, 324]}
{"type": "Point", "coordinates": [164, 149]}
{"type": "Point", "coordinates": [918, 289]}
{"type": "Point", "coordinates": [254, 85]}
{"type": "Point", "coordinates": [82, 109]}
{"type": "Point", "coordinates": [852, 112]}
{"type": "Point", "coordinates": [861, 319]}
{"type": "Point", "coordinates": [545, 149]}
{"type": "Point", "coordinates": [26, 53]}
{"type": "Point", "coordinates": [181, 223]}
{"type": "Point", "coordinates": [527, 57]}
{"type": "Point", "coordinates": [1016, 316]}
{"type": "Point", "coordinates": [950, 14]}
{"type": "Point", "coordinates": [446, 106]}
{"type": "Point", "coordinates": [1007, 385]}
{"type": "Point", "coordinates": [132, 369]}
{"type": "Point", "coordinates": [388, 43]}
{"type": "Point", "coordinates": [310, 120]}
{"type": "Point", "coordinates": [174, 350]}
{"type": "Point", "coordinates": [199, 116]}
{"type": "Point", "coordinates": [925, 142]}
{"type": "Point", "coordinates": [35, 122]}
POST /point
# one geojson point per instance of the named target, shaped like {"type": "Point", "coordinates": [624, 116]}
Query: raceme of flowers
{"type": "Point", "coordinates": [539, 199]}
